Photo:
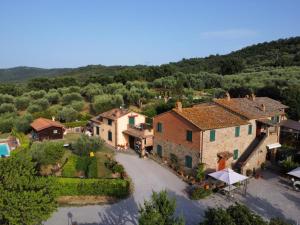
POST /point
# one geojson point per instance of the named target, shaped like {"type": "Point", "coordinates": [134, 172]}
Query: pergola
{"type": "Point", "coordinates": [230, 177]}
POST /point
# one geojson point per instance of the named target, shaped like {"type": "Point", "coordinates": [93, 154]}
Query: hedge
{"type": "Point", "coordinates": [105, 187]}
{"type": "Point", "coordinates": [76, 124]}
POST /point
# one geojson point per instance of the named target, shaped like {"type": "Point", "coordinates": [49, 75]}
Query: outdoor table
{"type": "Point", "coordinates": [229, 188]}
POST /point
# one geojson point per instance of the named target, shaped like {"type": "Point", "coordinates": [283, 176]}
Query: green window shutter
{"type": "Point", "coordinates": [188, 161]}
{"type": "Point", "coordinates": [277, 119]}
{"type": "Point", "coordinates": [237, 131]}
{"type": "Point", "coordinates": [189, 135]}
{"type": "Point", "coordinates": [131, 121]}
{"type": "Point", "coordinates": [235, 154]}
{"type": "Point", "coordinates": [109, 134]}
{"type": "Point", "coordinates": [212, 135]}
{"type": "Point", "coordinates": [159, 127]}
{"type": "Point", "coordinates": [159, 150]}
{"type": "Point", "coordinates": [250, 129]}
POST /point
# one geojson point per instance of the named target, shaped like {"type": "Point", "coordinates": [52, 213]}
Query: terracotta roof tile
{"type": "Point", "coordinates": [260, 107]}
{"type": "Point", "coordinates": [210, 116]}
{"type": "Point", "coordinates": [114, 114]}
{"type": "Point", "coordinates": [42, 123]}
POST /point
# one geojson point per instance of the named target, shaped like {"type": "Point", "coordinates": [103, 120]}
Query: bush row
{"type": "Point", "coordinates": [106, 187]}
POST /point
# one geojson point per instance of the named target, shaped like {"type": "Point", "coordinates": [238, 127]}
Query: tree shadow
{"type": "Point", "coordinates": [121, 213]}
{"type": "Point", "coordinates": [264, 208]}
{"type": "Point", "coordinates": [293, 198]}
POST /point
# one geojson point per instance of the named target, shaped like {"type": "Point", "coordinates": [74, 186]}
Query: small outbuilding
{"type": "Point", "coordinates": [46, 129]}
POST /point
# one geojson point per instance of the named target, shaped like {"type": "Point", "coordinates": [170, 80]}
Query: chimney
{"type": "Point", "coordinates": [263, 107]}
{"type": "Point", "coordinates": [178, 106]}
{"type": "Point", "coordinates": [252, 97]}
{"type": "Point", "coordinates": [53, 118]}
{"type": "Point", "coordinates": [227, 96]}
{"type": "Point", "coordinates": [247, 96]}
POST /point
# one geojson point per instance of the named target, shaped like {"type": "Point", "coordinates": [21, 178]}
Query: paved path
{"type": "Point", "coordinates": [147, 175]}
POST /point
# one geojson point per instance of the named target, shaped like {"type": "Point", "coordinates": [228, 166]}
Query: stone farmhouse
{"type": "Point", "coordinates": [241, 133]}
{"type": "Point", "coordinates": [122, 129]}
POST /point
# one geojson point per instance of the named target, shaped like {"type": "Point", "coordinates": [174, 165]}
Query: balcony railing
{"type": "Point", "coordinates": [143, 128]}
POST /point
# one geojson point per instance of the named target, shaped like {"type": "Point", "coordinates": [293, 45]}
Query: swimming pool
{"type": "Point", "coordinates": [4, 149]}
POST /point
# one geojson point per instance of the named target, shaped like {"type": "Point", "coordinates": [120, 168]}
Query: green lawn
{"type": "Point", "coordinates": [71, 137]}
{"type": "Point", "coordinates": [69, 169]}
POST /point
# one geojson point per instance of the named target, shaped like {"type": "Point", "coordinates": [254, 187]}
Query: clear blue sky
{"type": "Point", "coordinates": [72, 33]}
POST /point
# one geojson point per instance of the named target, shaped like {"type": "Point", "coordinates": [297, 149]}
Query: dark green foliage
{"type": "Point", "coordinates": [53, 97]}
{"type": "Point", "coordinates": [7, 108]}
{"type": "Point", "coordinates": [103, 103]}
{"type": "Point", "coordinates": [25, 198]}
{"type": "Point", "coordinates": [22, 102]}
{"type": "Point", "coordinates": [47, 152]}
{"type": "Point", "coordinates": [22, 123]}
{"type": "Point", "coordinates": [67, 114]}
{"type": "Point", "coordinates": [236, 215]}
{"type": "Point", "coordinates": [33, 108]}
{"type": "Point", "coordinates": [5, 98]}
{"type": "Point", "coordinates": [93, 168]}
{"type": "Point", "coordinates": [85, 144]}
{"type": "Point", "coordinates": [278, 221]}
{"type": "Point", "coordinates": [77, 105]}
{"type": "Point", "coordinates": [292, 99]}
{"type": "Point", "coordinates": [159, 211]}
{"type": "Point", "coordinates": [200, 193]}
{"type": "Point", "coordinates": [37, 94]}
{"type": "Point", "coordinates": [231, 66]}
{"type": "Point", "coordinates": [106, 187]}
{"type": "Point", "coordinates": [7, 121]}
{"type": "Point", "coordinates": [42, 102]}
{"type": "Point", "coordinates": [68, 98]}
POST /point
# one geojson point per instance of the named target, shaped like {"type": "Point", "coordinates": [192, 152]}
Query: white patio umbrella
{"type": "Point", "coordinates": [228, 176]}
{"type": "Point", "coordinates": [295, 172]}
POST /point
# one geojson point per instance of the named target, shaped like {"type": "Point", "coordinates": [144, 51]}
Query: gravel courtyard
{"type": "Point", "coordinates": [267, 196]}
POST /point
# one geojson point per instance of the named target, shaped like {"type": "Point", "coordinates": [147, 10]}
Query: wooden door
{"type": "Point", "coordinates": [222, 164]}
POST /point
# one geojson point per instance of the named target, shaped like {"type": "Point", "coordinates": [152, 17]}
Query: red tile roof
{"type": "Point", "coordinates": [260, 107]}
{"type": "Point", "coordinates": [210, 116]}
{"type": "Point", "coordinates": [114, 114]}
{"type": "Point", "coordinates": [42, 123]}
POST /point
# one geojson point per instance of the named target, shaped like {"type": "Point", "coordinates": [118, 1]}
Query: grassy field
{"type": "Point", "coordinates": [103, 172]}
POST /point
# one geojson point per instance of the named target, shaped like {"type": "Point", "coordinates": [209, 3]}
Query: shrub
{"type": "Point", "coordinates": [42, 102]}
{"type": "Point", "coordinates": [77, 105]}
{"type": "Point", "coordinates": [200, 193]}
{"type": "Point", "coordinates": [82, 164]}
{"type": "Point", "coordinates": [22, 123]}
{"type": "Point", "coordinates": [37, 94]}
{"type": "Point", "coordinates": [7, 108]}
{"type": "Point", "coordinates": [93, 168]}
{"type": "Point", "coordinates": [22, 102]}
{"type": "Point", "coordinates": [4, 98]}
{"type": "Point", "coordinates": [106, 187]}
{"type": "Point", "coordinates": [67, 98]}
{"type": "Point", "coordinates": [69, 169]}
{"type": "Point", "coordinates": [67, 114]}
{"type": "Point", "coordinates": [85, 144]}
{"type": "Point", "coordinates": [47, 152]}
{"type": "Point", "coordinates": [289, 165]}
{"type": "Point", "coordinates": [7, 121]}
{"type": "Point", "coordinates": [103, 103]}
{"type": "Point", "coordinates": [53, 97]}
{"type": "Point", "coordinates": [33, 108]}
{"type": "Point", "coordinates": [118, 168]}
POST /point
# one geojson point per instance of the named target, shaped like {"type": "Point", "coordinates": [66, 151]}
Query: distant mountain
{"type": "Point", "coordinates": [24, 73]}
{"type": "Point", "coordinates": [279, 53]}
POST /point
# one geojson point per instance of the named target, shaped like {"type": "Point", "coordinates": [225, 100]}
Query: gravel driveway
{"type": "Point", "coordinates": [147, 175]}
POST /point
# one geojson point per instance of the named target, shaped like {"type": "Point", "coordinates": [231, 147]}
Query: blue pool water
{"type": "Point", "coordinates": [4, 150]}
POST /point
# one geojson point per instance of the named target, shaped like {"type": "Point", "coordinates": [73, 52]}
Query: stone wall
{"type": "Point", "coordinates": [226, 141]}
{"type": "Point", "coordinates": [179, 150]}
